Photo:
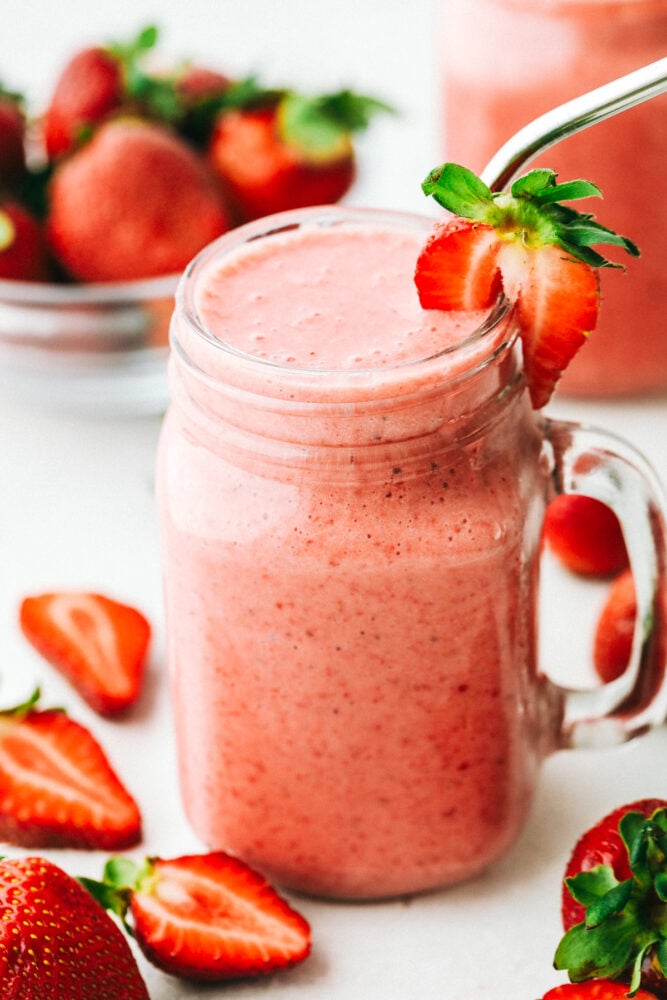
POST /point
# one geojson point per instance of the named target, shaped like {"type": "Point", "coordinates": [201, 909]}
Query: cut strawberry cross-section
{"type": "Point", "coordinates": [57, 788]}
{"type": "Point", "coordinates": [205, 917]}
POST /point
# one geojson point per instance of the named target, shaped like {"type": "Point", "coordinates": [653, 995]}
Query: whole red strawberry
{"type": "Point", "coordinates": [614, 898]}
{"type": "Point", "coordinates": [89, 88]}
{"type": "Point", "coordinates": [56, 942]}
{"type": "Point", "coordinates": [57, 788]}
{"type": "Point", "coordinates": [289, 152]}
{"type": "Point", "coordinates": [529, 245]}
{"type": "Point", "coordinates": [95, 83]}
{"type": "Point", "coordinates": [135, 202]}
{"type": "Point", "coordinates": [585, 535]}
{"type": "Point", "coordinates": [12, 139]}
{"type": "Point", "coordinates": [205, 917]}
{"type": "Point", "coordinates": [23, 251]}
{"type": "Point", "coordinates": [98, 643]}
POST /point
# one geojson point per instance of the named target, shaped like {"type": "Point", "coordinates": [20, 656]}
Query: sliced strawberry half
{"type": "Point", "coordinates": [527, 244]}
{"type": "Point", "coordinates": [206, 917]}
{"type": "Point", "coordinates": [99, 644]}
{"type": "Point", "coordinates": [57, 788]}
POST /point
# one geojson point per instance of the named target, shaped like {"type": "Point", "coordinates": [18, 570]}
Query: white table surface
{"type": "Point", "coordinates": [77, 510]}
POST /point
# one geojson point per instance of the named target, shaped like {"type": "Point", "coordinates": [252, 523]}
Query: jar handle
{"type": "Point", "coordinates": [598, 464]}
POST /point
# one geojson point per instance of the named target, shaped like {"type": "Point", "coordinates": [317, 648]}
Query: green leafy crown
{"type": "Point", "coordinates": [531, 211]}
{"type": "Point", "coordinates": [625, 927]}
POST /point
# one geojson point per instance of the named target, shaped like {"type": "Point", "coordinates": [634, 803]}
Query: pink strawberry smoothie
{"type": "Point", "coordinates": [348, 534]}
{"type": "Point", "coordinates": [507, 61]}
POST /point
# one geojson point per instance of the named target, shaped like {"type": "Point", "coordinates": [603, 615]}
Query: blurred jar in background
{"type": "Point", "coordinates": [507, 61]}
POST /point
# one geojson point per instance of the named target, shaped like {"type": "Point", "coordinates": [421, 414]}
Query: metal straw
{"type": "Point", "coordinates": [573, 116]}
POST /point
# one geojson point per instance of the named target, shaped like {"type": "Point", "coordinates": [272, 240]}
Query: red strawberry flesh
{"type": "Point", "coordinates": [98, 643]}
{"type": "Point", "coordinates": [210, 917]}
{"type": "Point", "coordinates": [58, 789]}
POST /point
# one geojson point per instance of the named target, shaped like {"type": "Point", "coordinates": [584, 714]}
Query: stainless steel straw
{"type": "Point", "coordinates": [573, 116]}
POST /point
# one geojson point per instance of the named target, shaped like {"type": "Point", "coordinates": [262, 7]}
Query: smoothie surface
{"type": "Point", "coordinates": [328, 299]}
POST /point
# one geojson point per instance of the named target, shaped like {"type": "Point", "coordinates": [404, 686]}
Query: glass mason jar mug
{"type": "Point", "coordinates": [351, 550]}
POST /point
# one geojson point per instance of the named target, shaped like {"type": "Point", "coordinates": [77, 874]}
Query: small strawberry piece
{"type": "Point", "coordinates": [595, 989]}
{"type": "Point", "coordinates": [12, 138]}
{"type": "Point", "coordinates": [204, 917]}
{"type": "Point", "coordinates": [612, 642]}
{"type": "Point", "coordinates": [262, 174]}
{"type": "Point", "coordinates": [616, 879]}
{"type": "Point", "coordinates": [527, 244]}
{"type": "Point", "coordinates": [136, 202]}
{"type": "Point", "coordinates": [57, 788]}
{"type": "Point", "coordinates": [23, 251]}
{"type": "Point", "coordinates": [56, 942]}
{"type": "Point", "coordinates": [585, 535]}
{"type": "Point", "coordinates": [88, 90]}
{"type": "Point", "coordinates": [99, 644]}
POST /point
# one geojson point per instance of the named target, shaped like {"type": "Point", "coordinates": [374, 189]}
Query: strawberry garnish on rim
{"type": "Point", "coordinates": [527, 244]}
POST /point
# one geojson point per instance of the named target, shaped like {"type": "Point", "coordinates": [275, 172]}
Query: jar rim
{"type": "Point", "coordinates": [246, 365]}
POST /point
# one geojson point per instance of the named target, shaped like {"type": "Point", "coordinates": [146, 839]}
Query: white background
{"type": "Point", "coordinates": [77, 510]}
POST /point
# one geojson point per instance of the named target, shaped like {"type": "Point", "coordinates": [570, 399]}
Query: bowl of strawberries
{"type": "Point", "coordinates": [109, 192]}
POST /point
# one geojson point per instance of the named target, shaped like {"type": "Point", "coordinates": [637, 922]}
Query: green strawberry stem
{"type": "Point", "coordinates": [530, 212]}
{"type": "Point", "coordinates": [121, 878]}
{"type": "Point", "coordinates": [319, 125]}
{"type": "Point", "coordinates": [626, 921]}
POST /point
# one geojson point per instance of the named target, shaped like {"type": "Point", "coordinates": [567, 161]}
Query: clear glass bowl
{"type": "Point", "coordinates": [100, 348]}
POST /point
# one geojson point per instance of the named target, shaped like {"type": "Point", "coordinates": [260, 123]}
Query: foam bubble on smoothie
{"type": "Point", "coordinates": [327, 299]}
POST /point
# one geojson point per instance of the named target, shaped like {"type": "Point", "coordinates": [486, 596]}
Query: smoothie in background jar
{"type": "Point", "coordinates": [351, 492]}
{"type": "Point", "coordinates": [507, 61]}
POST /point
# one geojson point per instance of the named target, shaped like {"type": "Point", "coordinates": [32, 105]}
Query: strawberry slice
{"type": "Point", "coordinates": [57, 788]}
{"type": "Point", "coordinates": [527, 244]}
{"type": "Point", "coordinates": [206, 917]}
{"type": "Point", "coordinates": [99, 644]}
{"type": "Point", "coordinates": [468, 253]}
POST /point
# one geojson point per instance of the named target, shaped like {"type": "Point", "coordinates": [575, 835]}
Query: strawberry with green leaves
{"type": "Point", "coordinates": [616, 920]}
{"type": "Point", "coordinates": [530, 246]}
{"type": "Point", "coordinates": [94, 84]}
{"type": "Point", "coordinates": [288, 150]}
{"type": "Point", "coordinates": [203, 917]}
{"type": "Point", "coordinates": [56, 942]}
